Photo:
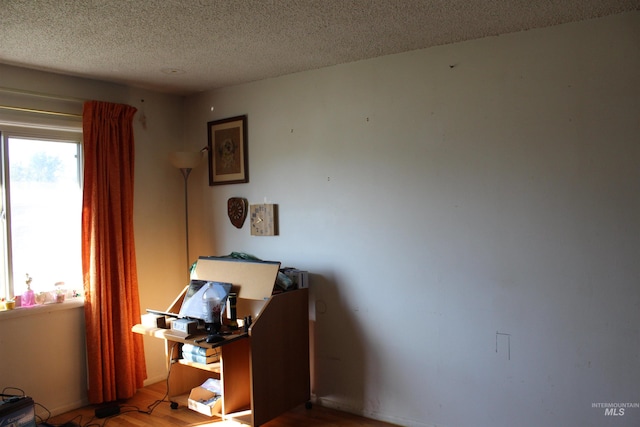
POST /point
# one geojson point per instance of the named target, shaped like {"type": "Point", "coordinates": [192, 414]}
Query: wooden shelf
{"type": "Point", "coordinates": [151, 332]}
{"type": "Point", "coordinates": [211, 367]}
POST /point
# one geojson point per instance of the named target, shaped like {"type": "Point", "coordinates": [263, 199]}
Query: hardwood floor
{"type": "Point", "coordinates": [135, 413]}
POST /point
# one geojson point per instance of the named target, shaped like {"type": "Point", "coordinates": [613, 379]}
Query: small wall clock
{"type": "Point", "coordinates": [237, 210]}
{"type": "Point", "coordinates": [264, 219]}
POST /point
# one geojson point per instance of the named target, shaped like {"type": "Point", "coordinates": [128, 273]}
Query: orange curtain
{"type": "Point", "coordinates": [115, 354]}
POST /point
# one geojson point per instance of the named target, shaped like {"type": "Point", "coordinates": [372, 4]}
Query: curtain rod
{"type": "Point", "coordinates": [33, 110]}
{"type": "Point", "coordinates": [41, 95]}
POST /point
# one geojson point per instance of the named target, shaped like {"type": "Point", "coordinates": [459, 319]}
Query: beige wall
{"type": "Point", "coordinates": [442, 196]}
{"type": "Point", "coordinates": [43, 354]}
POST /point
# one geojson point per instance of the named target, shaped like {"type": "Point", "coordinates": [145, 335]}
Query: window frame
{"type": "Point", "coordinates": [69, 135]}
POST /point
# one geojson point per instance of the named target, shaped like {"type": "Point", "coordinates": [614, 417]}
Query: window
{"type": "Point", "coordinates": [41, 211]}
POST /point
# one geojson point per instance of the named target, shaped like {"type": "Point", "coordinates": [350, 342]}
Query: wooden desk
{"type": "Point", "coordinates": [263, 372]}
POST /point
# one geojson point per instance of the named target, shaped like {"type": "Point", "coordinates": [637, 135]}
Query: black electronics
{"type": "Point", "coordinates": [107, 410]}
{"type": "Point", "coordinates": [193, 306]}
{"type": "Point", "coordinates": [214, 338]}
{"type": "Point", "coordinates": [17, 411]}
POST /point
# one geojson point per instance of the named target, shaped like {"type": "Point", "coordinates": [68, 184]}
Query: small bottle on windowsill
{"type": "Point", "coordinates": [29, 297]}
{"type": "Point", "coordinates": [60, 292]}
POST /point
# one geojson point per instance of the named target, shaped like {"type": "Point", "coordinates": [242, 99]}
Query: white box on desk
{"type": "Point", "coordinates": [300, 278]}
{"type": "Point", "coordinates": [150, 320]}
{"type": "Point", "coordinates": [201, 393]}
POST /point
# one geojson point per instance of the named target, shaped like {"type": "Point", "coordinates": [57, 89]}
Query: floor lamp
{"type": "Point", "coordinates": [186, 161]}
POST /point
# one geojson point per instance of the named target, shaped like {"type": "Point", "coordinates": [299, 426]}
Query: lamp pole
{"type": "Point", "coordinates": [185, 174]}
{"type": "Point", "coordinates": [186, 161]}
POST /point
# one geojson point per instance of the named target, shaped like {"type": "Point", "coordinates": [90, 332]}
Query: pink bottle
{"type": "Point", "coordinates": [29, 297]}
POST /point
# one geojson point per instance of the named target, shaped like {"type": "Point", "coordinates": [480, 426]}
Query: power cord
{"type": "Point", "coordinates": [77, 421]}
{"type": "Point", "coordinates": [150, 408]}
{"type": "Point", "coordinates": [39, 417]}
{"type": "Point", "coordinates": [6, 396]}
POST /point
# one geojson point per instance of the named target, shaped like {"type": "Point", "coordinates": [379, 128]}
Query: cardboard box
{"type": "Point", "coordinates": [199, 395]}
{"type": "Point", "coordinates": [17, 412]}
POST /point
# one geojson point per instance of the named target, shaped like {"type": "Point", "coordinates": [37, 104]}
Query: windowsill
{"type": "Point", "coordinates": [41, 309]}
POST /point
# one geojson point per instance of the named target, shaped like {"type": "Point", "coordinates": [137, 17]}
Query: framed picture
{"type": "Point", "coordinates": [228, 159]}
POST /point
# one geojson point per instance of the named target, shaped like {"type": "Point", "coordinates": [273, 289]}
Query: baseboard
{"type": "Point", "coordinates": [339, 406]}
{"type": "Point", "coordinates": [155, 379]}
{"type": "Point", "coordinates": [58, 410]}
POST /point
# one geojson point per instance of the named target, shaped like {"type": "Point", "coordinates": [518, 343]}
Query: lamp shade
{"type": "Point", "coordinates": [185, 159]}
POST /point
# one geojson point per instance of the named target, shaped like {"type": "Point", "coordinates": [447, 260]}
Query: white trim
{"type": "Point", "coordinates": [63, 409]}
{"type": "Point", "coordinates": [74, 130]}
{"type": "Point", "coordinates": [332, 404]}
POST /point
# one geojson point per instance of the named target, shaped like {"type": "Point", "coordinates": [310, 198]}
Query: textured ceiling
{"type": "Point", "coordinates": [187, 46]}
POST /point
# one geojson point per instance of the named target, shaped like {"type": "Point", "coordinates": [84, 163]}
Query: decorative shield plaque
{"type": "Point", "coordinates": [237, 210]}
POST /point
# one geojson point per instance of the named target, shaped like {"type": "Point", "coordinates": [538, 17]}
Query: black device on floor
{"type": "Point", "coordinates": [17, 411]}
{"type": "Point", "coordinates": [107, 410]}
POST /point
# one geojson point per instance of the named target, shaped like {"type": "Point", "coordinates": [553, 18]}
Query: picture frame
{"type": "Point", "coordinates": [227, 151]}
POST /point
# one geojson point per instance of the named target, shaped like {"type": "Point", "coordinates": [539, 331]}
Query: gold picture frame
{"type": "Point", "coordinates": [228, 159]}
